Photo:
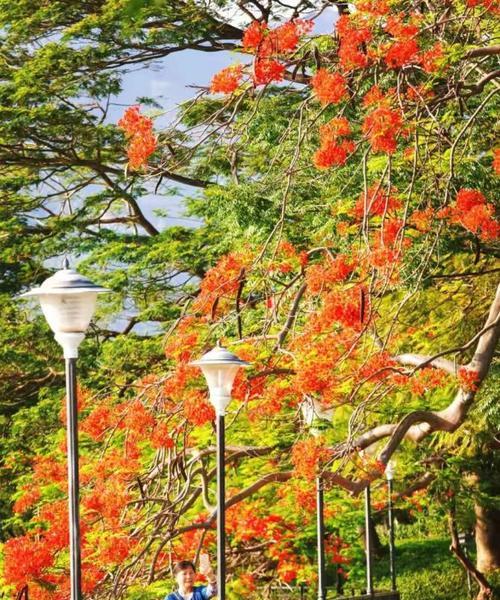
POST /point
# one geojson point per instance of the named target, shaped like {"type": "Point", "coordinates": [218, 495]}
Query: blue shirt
{"type": "Point", "coordinates": [200, 592]}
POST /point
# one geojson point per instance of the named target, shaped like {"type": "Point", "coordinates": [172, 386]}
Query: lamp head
{"type": "Point", "coordinates": [68, 301]}
{"type": "Point", "coordinates": [313, 413]}
{"type": "Point", "coordinates": [389, 470]}
{"type": "Point", "coordinates": [219, 366]}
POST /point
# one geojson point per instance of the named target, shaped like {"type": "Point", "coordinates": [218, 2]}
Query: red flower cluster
{"type": "Point", "coordinates": [468, 379]}
{"type": "Point", "coordinates": [315, 370]}
{"type": "Point", "coordinates": [330, 88]}
{"type": "Point", "coordinates": [282, 40]}
{"type": "Point", "coordinates": [276, 395]}
{"type": "Point", "coordinates": [26, 558]}
{"type": "Point", "coordinates": [376, 8]}
{"type": "Point", "coordinates": [288, 259]}
{"type": "Point", "coordinates": [115, 548]}
{"type": "Point", "coordinates": [178, 380]}
{"type": "Point", "coordinates": [161, 437]}
{"type": "Point", "coordinates": [221, 281]}
{"type": "Point", "coordinates": [136, 418]}
{"type": "Point", "coordinates": [427, 379]}
{"type": "Point", "coordinates": [227, 80]}
{"type": "Point", "coordinates": [334, 548]}
{"type": "Point", "coordinates": [401, 53]}
{"type": "Point", "coordinates": [98, 422]}
{"type": "Point", "coordinates": [287, 36]}
{"type": "Point", "coordinates": [49, 470]}
{"type": "Point", "coordinates": [352, 39]}
{"type": "Point", "coordinates": [432, 58]}
{"type": "Point", "coordinates": [308, 457]}
{"type": "Point", "coordinates": [375, 96]}
{"type": "Point", "coordinates": [422, 219]}
{"type": "Point", "coordinates": [377, 201]}
{"type": "Point", "coordinates": [334, 148]}
{"type": "Point", "coordinates": [491, 5]}
{"type": "Point", "coordinates": [105, 501]}
{"type": "Point", "coordinates": [400, 30]}
{"type": "Point", "coordinates": [197, 409]}
{"type": "Point", "coordinates": [182, 346]}
{"type": "Point", "coordinates": [254, 35]}
{"type": "Point", "coordinates": [390, 232]}
{"type": "Point", "coordinates": [405, 48]}
{"type": "Point", "coordinates": [342, 308]}
{"type": "Point", "coordinates": [268, 45]}
{"type": "Point", "coordinates": [267, 70]}
{"type": "Point", "coordinates": [322, 276]}
{"type": "Point", "coordinates": [472, 212]}
{"type": "Point", "coordinates": [54, 515]}
{"type": "Point", "coordinates": [377, 367]}
{"type": "Point", "coordinates": [30, 497]}
{"type": "Point", "coordinates": [382, 126]}
{"type": "Point", "coordinates": [250, 526]}
{"type": "Point", "coordinates": [141, 140]}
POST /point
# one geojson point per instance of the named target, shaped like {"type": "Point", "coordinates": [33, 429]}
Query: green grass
{"type": "Point", "coordinates": [426, 570]}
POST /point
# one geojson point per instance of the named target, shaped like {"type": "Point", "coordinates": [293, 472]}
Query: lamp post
{"type": "Point", "coordinates": [219, 366]}
{"type": "Point", "coordinates": [368, 542]}
{"type": "Point", "coordinates": [311, 411]}
{"type": "Point", "coordinates": [68, 302]}
{"type": "Point", "coordinates": [389, 473]}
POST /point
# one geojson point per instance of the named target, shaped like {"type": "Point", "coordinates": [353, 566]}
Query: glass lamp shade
{"type": "Point", "coordinates": [219, 366]}
{"type": "Point", "coordinates": [68, 312]}
{"type": "Point", "coordinates": [389, 470]}
{"type": "Point", "coordinates": [315, 416]}
{"type": "Point", "coordinates": [68, 301]}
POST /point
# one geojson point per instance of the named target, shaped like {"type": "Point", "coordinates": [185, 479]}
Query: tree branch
{"type": "Point", "coordinates": [420, 360]}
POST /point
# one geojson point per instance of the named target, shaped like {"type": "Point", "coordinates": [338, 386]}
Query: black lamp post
{"type": "Point", "coordinates": [322, 591]}
{"type": "Point", "coordinates": [368, 543]}
{"type": "Point", "coordinates": [311, 412]}
{"type": "Point", "coordinates": [68, 302]}
{"type": "Point", "coordinates": [219, 366]}
{"type": "Point", "coordinates": [389, 473]}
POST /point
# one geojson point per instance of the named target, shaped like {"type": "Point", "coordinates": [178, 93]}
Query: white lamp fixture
{"type": "Point", "coordinates": [389, 470]}
{"type": "Point", "coordinates": [220, 367]}
{"type": "Point", "coordinates": [312, 411]}
{"type": "Point", "coordinates": [68, 301]}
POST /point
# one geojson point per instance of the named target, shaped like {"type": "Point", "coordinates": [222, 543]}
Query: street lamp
{"type": "Point", "coordinates": [312, 411]}
{"type": "Point", "coordinates": [219, 366]}
{"type": "Point", "coordinates": [389, 473]}
{"type": "Point", "coordinates": [68, 302]}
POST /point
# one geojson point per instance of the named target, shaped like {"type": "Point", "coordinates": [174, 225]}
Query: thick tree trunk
{"type": "Point", "coordinates": [485, 589]}
{"type": "Point", "coordinates": [377, 546]}
{"type": "Point", "coordinates": [487, 538]}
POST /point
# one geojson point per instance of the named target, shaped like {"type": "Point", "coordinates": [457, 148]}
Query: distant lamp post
{"type": "Point", "coordinates": [389, 473]}
{"type": "Point", "coordinates": [219, 366]}
{"type": "Point", "coordinates": [368, 542]}
{"type": "Point", "coordinates": [312, 411]}
{"type": "Point", "coordinates": [68, 301]}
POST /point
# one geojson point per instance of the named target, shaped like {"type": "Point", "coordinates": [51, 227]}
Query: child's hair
{"type": "Point", "coordinates": [182, 565]}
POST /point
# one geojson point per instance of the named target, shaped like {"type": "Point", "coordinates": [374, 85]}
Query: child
{"type": "Point", "coordinates": [184, 573]}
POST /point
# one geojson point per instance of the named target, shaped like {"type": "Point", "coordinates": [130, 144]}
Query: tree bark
{"type": "Point", "coordinates": [377, 547]}
{"type": "Point", "coordinates": [485, 590]}
{"type": "Point", "coordinates": [487, 538]}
